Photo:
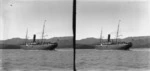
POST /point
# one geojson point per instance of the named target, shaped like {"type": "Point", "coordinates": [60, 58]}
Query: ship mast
{"type": "Point", "coordinates": [43, 31]}
{"type": "Point", "coordinates": [101, 36]}
{"type": "Point", "coordinates": [26, 36]}
{"type": "Point", "coordinates": [117, 35]}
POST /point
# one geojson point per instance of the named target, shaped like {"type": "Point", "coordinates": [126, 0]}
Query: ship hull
{"type": "Point", "coordinates": [114, 47]}
{"type": "Point", "coordinates": [39, 47]}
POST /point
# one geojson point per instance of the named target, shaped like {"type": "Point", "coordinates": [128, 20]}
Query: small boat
{"type": "Point", "coordinates": [110, 45]}
{"type": "Point", "coordinates": [38, 45]}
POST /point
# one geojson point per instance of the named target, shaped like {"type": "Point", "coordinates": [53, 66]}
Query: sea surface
{"type": "Point", "coordinates": [113, 60]}
{"type": "Point", "coordinates": [36, 60]}
{"type": "Point", "coordinates": [86, 60]}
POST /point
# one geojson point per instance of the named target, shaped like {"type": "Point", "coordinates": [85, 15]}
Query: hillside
{"type": "Point", "coordinates": [87, 41]}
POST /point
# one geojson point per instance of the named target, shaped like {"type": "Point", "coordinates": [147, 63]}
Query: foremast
{"type": "Point", "coordinates": [26, 36]}
{"type": "Point", "coordinates": [101, 36]}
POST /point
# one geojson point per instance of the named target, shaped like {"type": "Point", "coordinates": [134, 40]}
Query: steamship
{"type": "Point", "coordinates": [40, 45]}
{"type": "Point", "coordinates": [111, 45]}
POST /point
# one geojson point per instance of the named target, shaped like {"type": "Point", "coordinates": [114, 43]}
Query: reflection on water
{"type": "Point", "coordinates": [113, 60]}
{"type": "Point", "coordinates": [36, 60]}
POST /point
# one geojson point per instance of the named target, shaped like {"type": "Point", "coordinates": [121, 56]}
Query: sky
{"type": "Point", "coordinates": [18, 15]}
{"type": "Point", "coordinates": [94, 15]}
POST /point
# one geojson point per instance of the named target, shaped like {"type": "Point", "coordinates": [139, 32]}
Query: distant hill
{"type": "Point", "coordinates": [138, 42]}
{"type": "Point", "coordinates": [87, 41]}
{"type": "Point", "coordinates": [63, 42]}
{"type": "Point", "coordinates": [14, 41]}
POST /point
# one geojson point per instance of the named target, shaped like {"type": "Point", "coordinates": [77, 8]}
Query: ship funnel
{"type": "Point", "coordinates": [108, 37]}
{"type": "Point", "coordinates": [34, 38]}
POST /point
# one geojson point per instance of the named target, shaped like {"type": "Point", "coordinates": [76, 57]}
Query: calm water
{"type": "Point", "coordinates": [87, 60]}
{"type": "Point", "coordinates": [113, 60]}
{"type": "Point", "coordinates": [36, 60]}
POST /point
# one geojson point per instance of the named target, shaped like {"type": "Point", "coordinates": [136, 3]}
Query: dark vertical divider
{"type": "Point", "coordinates": [74, 34]}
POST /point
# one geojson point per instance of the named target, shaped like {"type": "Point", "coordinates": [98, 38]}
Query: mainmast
{"type": "Point", "coordinates": [43, 30]}
{"type": "Point", "coordinates": [117, 35]}
{"type": "Point", "coordinates": [101, 36]}
{"type": "Point", "coordinates": [26, 36]}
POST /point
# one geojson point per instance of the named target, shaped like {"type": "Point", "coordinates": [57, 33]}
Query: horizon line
{"type": "Point", "coordinates": [76, 38]}
{"type": "Point", "coordinates": [115, 38]}
{"type": "Point", "coordinates": [36, 38]}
